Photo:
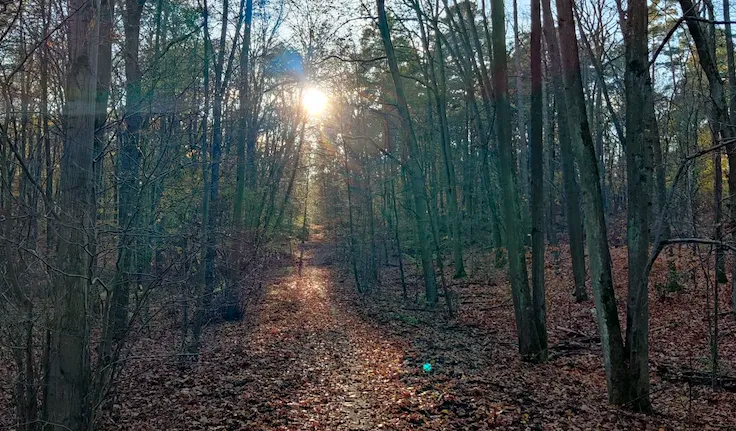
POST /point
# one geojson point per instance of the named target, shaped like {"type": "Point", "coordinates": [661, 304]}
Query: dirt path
{"type": "Point", "coordinates": [327, 362]}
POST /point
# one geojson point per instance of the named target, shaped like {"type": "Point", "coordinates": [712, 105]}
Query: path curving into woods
{"type": "Point", "coordinates": [318, 362]}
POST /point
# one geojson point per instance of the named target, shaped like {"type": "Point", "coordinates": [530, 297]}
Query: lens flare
{"type": "Point", "coordinates": [314, 101]}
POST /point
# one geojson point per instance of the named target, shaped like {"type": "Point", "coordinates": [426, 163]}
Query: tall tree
{"type": "Point", "coordinates": [68, 373]}
{"type": "Point", "coordinates": [639, 155]}
{"type": "Point", "coordinates": [438, 83]}
{"type": "Point", "coordinates": [522, 142]}
{"type": "Point", "coordinates": [595, 224]}
{"type": "Point", "coordinates": [128, 171]}
{"type": "Point", "coordinates": [537, 181]}
{"type": "Point", "coordinates": [104, 78]}
{"type": "Point", "coordinates": [718, 116]}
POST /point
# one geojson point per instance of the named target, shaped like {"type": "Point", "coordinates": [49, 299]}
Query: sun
{"type": "Point", "coordinates": [314, 101]}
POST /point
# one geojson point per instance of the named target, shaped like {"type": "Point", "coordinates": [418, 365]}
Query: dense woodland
{"type": "Point", "coordinates": [483, 214]}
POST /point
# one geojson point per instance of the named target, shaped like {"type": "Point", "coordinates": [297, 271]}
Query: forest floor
{"type": "Point", "coordinates": [312, 354]}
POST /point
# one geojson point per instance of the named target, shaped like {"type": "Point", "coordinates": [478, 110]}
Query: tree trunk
{"type": "Point", "coordinates": [49, 163]}
{"type": "Point", "coordinates": [595, 224]}
{"type": "Point", "coordinates": [732, 108]}
{"type": "Point", "coordinates": [104, 77]}
{"type": "Point", "coordinates": [128, 193]}
{"type": "Point", "coordinates": [718, 115]}
{"type": "Point", "coordinates": [455, 222]}
{"type": "Point", "coordinates": [351, 239]}
{"type": "Point", "coordinates": [537, 182]}
{"type": "Point", "coordinates": [550, 161]}
{"type": "Point", "coordinates": [68, 374]}
{"type": "Point", "coordinates": [639, 157]}
{"type": "Point", "coordinates": [438, 81]}
{"type": "Point", "coordinates": [202, 296]}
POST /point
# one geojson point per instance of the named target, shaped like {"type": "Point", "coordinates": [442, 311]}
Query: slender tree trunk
{"type": "Point", "coordinates": [116, 324]}
{"type": "Point", "coordinates": [537, 182]}
{"type": "Point", "coordinates": [49, 168]}
{"type": "Point", "coordinates": [455, 221]}
{"type": "Point", "coordinates": [104, 77]}
{"type": "Point", "coordinates": [292, 178]}
{"type": "Point", "coordinates": [639, 155]}
{"type": "Point", "coordinates": [599, 147]}
{"type": "Point", "coordinates": [413, 162]}
{"type": "Point", "coordinates": [210, 266]}
{"type": "Point", "coordinates": [550, 161]}
{"type": "Point", "coordinates": [438, 80]}
{"type": "Point", "coordinates": [202, 293]}
{"type": "Point", "coordinates": [595, 224]}
{"type": "Point", "coordinates": [397, 237]}
{"type": "Point", "coordinates": [719, 117]}
{"type": "Point", "coordinates": [68, 374]}
{"type": "Point", "coordinates": [25, 393]}
{"type": "Point", "coordinates": [351, 239]}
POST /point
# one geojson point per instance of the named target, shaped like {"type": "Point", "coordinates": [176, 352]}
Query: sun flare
{"type": "Point", "coordinates": [314, 101]}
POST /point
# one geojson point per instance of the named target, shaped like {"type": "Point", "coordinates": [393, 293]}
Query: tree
{"type": "Point", "coordinates": [639, 155]}
{"type": "Point", "coordinates": [68, 374]}
{"type": "Point", "coordinates": [595, 224]}
{"type": "Point", "coordinates": [537, 180]}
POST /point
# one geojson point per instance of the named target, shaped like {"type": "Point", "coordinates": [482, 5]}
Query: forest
{"type": "Point", "coordinates": [367, 215]}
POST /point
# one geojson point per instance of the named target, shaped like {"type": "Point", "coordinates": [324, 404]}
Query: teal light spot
{"type": "Point", "coordinates": [427, 367]}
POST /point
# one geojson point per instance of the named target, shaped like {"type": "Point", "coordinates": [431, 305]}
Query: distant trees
{"type": "Point", "coordinates": [412, 160]}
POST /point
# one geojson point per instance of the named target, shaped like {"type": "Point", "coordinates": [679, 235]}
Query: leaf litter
{"type": "Point", "coordinates": [312, 354]}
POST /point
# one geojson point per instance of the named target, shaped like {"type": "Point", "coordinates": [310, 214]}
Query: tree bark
{"type": "Point", "coordinates": [522, 142]}
{"type": "Point", "coordinates": [104, 78]}
{"type": "Point", "coordinates": [718, 115]}
{"type": "Point", "coordinates": [116, 326]}
{"type": "Point", "coordinates": [49, 163]}
{"type": "Point", "coordinates": [438, 80]}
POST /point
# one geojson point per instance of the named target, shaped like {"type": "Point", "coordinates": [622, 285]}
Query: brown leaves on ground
{"type": "Point", "coordinates": [313, 355]}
